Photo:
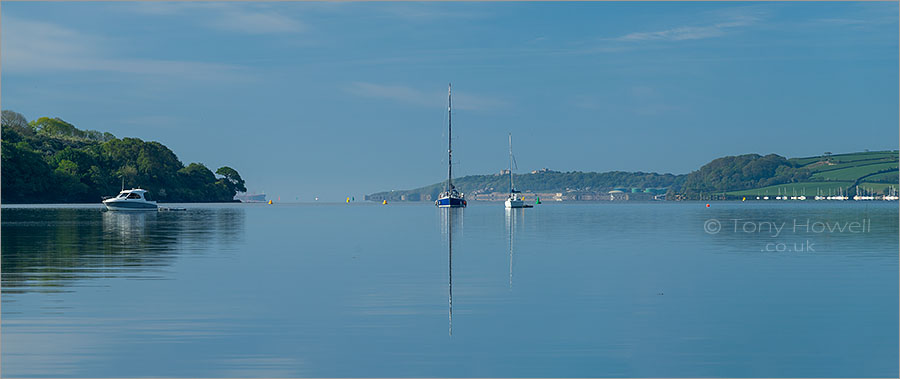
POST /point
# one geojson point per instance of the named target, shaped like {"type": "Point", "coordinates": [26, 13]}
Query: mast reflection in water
{"type": "Point", "coordinates": [512, 217]}
{"type": "Point", "coordinates": [451, 221]}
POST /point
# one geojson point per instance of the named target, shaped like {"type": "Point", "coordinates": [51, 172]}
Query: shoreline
{"type": "Point", "coordinates": [425, 203]}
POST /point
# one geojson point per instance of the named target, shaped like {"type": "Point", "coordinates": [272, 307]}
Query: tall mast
{"type": "Point", "coordinates": [510, 164]}
{"type": "Point", "coordinates": [449, 142]}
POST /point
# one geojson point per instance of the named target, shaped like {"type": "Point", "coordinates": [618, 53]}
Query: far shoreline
{"type": "Point", "coordinates": [424, 203]}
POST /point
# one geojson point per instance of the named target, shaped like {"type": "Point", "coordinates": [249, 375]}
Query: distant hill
{"type": "Point", "coordinates": [733, 176]}
{"type": "Point", "coordinates": [873, 172]}
{"type": "Point", "coordinates": [540, 181]}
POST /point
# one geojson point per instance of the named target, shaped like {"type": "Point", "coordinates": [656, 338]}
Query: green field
{"type": "Point", "coordinates": [883, 177]}
{"type": "Point", "coordinates": [806, 161]}
{"type": "Point", "coordinates": [823, 167]}
{"type": "Point", "coordinates": [791, 189]}
{"type": "Point", "coordinates": [853, 173]}
{"type": "Point", "coordinates": [836, 172]}
{"type": "Point", "coordinates": [847, 158]}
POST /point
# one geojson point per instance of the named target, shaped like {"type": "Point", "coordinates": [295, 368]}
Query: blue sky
{"type": "Point", "coordinates": [340, 99]}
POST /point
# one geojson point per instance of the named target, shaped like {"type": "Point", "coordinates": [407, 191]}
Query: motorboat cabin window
{"type": "Point", "coordinates": [134, 196]}
{"type": "Point", "coordinates": [122, 195]}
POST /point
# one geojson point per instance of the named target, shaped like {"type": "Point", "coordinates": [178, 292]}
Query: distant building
{"type": "Point", "coordinates": [617, 195]}
{"type": "Point", "coordinates": [411, 197]}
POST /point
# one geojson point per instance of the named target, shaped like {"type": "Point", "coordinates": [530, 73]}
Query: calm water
{"type": "Point", "coordinates": [566, 290]}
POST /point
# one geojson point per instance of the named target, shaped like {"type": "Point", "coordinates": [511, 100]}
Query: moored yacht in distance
{"type": "Point", "coordinates": [450, 198]}
{"type": "Point", "coordinates": [134, 199]}
{"type": "Point", "coordinates": [514, 200]}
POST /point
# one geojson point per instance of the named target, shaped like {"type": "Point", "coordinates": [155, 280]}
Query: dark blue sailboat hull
{"type": "Point", "coordinates": [450, 202]}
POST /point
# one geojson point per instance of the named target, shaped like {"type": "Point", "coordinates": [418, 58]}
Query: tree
{"type": "Point", "coordinates": [16, 122]}
{"type": "Point", "coordinates": [743, 172]}
{"type": "Point", "coordinates": [67, 167]}
{"type": "Point", "coordinates": [55, 127]}
{"type": "Point", "coordinates": [50, 160]}
{"type": "Point", "coordinates": [127, 173]}
{"type": "Point", "coordinates": [24, 173]}
{"type": "Point", "coordinates": [233, 178]}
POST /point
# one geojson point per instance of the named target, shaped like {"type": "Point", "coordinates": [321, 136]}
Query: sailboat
{"type": "Point", "coordinates": [450, 198]}
{"type": "Point", "coordinates": [514, 200]}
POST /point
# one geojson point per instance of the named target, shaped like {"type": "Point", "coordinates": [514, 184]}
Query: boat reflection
{"type": "Point", "coordinates": [50, 250]}
{"type": "Point", "coordinates": [451, 222]}
{"type": "Point", "coordinates": [513, 218]}
{"type": "Point", "coordinates": [127, 227]}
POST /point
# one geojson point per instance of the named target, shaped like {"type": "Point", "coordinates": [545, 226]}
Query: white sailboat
{"type": "Point", "coordinates": [515, 199]}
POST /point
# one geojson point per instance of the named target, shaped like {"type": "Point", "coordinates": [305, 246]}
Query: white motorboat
{"type": "Point", "coordinates": [134, 199]}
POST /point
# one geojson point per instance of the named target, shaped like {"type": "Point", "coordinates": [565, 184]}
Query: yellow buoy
{"type": "Point", "coordinates": [744, 198]}
{"type": "Point", "coordinates": [270, 202]}
{"type": "Point", "coordinates": [348, 199]}
{"type": "Point", "coordinates": [384, 202]}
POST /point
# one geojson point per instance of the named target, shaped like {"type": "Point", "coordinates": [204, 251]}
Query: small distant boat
{"type": "Point", "coordinates": [134, 199]}
{"type": "Point", "coordinates": [450, 198]}
{"type": "Point", "coordinates": [514, 200]}
{"type": "Point", "coordinates": [246, 197]}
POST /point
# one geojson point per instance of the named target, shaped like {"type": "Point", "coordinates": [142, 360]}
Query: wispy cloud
{"type": "Point", "coordinates": [437, 98]}
{"type": "Point", "coordinates": [860, 15]}
{"type": "Point", "coordinates": [428, 12]}
{"type": "Point", "coordinates": [238, 18]}
{"type": "Point", "coordinates": [391, 92]}
{"type": "Point", "coordinates": [675, 34]}
{"type": "Point", "coordinates": [857, 22]}
{"type": "Point", "coordinates": [693, 32]}
{"type": "Point", "coordinates": [37, 47]}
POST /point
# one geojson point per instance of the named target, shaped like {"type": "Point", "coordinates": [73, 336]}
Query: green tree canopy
{"type": "Point", "coordinates": [16, 121]}
{"type": "Point", "coordinates": [743, 172]}
{"type": "Point", "coordinates": [61, 163]}
{"type": "Point", "coordinates": [233, 178]}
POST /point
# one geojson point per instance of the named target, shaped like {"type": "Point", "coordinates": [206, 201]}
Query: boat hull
{"type": "Point", "coordinates": [517, 204]}
{"type": "Point", "coordinates": [450, 202]}
{"type": "Point", "coordinates": [130, 206]}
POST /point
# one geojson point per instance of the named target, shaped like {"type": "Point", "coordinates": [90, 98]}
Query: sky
{"type": "Point", "coordinates": [332, 100]}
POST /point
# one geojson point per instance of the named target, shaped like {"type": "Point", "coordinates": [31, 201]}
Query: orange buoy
{"type": "Point", "coordinates": [270, 202]}
{"type": "Point", "coordinates": [707, 205]}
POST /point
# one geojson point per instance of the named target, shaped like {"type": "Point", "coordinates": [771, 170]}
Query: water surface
{"type": "Point", "coordinates": [565, 290]}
